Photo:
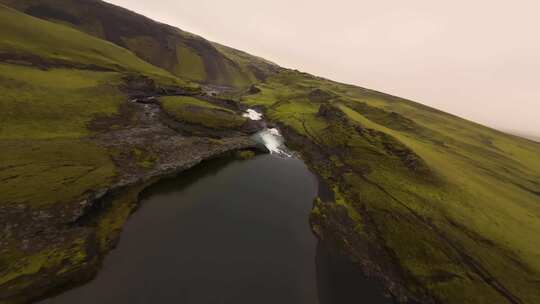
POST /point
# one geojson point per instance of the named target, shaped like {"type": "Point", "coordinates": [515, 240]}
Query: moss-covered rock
{"type": "Point", "coordinates": [246, 154]}
{"type": "Point", "coordinates": [197, 111]}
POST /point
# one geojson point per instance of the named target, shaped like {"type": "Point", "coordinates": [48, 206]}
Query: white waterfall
{"type": "Point", "coordinates": [270, 137]}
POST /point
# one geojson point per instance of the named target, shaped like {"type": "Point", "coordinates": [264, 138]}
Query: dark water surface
{"type": "Point", "coordinates": [226, 232]}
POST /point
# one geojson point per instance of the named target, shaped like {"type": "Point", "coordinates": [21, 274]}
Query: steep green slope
{"type": "Point", "coordinates": [55, 82]}
{"type": "Point", "coordinates": [181, 53]}
{"type": "Point", "coordinates": [443, 209]}
{"type": "Point", "coordinates": [192, 110]}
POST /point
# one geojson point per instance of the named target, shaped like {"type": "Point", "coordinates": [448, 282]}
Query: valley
{"type": "Point", "coordinates": [104, 112]}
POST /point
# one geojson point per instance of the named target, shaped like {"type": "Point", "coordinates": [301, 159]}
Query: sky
{"type": "Point", "coordinates": [477, 59]}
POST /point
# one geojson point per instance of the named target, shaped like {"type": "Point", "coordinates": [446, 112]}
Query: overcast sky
{"type": "Point", "coordinates": [478, 59]}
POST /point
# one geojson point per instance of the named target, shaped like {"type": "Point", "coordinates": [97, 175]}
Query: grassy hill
{"type": "Point", "coordinates": [439, 208]}
{"type": "Point", "coordinates": [55, 80]}
{"type": "Point", "coordinates": [448, 208]}
{"type": "Point", "coordinates": [181, 53]}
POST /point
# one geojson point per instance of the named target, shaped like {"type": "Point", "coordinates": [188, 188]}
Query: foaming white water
{"type": "Point", "coordinates": [270, 137]}
{"type": "Point", "coordinates": [252, 114]}
{"type": "Point", "coordinates": [274, 131]}
{"type": "Point", "coordinates": [273, 141]}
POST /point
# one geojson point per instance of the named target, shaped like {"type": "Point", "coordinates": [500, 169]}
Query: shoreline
{"type": "Point", "coordinates": [120, 195]}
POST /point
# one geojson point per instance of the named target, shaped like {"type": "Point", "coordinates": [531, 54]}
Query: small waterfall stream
{"type": "Point", "coordinates": [273, 141]}
{"type": "Point", "coordinates": [271, 138]}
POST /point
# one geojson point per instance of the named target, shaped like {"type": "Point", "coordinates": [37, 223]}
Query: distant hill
{"type": "Point", "coordinates": [181, 53]}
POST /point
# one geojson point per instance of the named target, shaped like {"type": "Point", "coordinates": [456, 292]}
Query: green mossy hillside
{"type": "Point", "coordinates": [55, 81]}
{"type": "Point", "coordinates": [196, 111]}
{"type": "Point", "coordinates": [43, 172]}
{"type": "Point", "coordinates": [454, 205]}
{"type": "Point", "coordinates": [54, 103]}
{"type": "Point", "coordinates": [43, 118]}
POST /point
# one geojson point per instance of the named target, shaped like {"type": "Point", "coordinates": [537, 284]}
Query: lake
{"type": "Point", "coordinates": [227, 231]}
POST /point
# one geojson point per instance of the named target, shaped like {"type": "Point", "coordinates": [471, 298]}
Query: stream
{"type": "Point", "coordinates": [228, 231]}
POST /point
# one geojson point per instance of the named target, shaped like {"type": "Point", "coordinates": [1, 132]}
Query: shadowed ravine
{"type": "Point", "coordinates": [226, 232]}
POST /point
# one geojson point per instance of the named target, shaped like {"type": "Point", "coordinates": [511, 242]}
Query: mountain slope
{"type": "Point", "coordinates": [181, 53]}
{"type": "Point", "coordinates": [72, 135]}
{"type": "Point", "coordinates": [442, 210]}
